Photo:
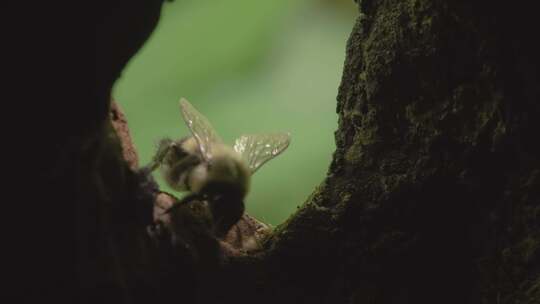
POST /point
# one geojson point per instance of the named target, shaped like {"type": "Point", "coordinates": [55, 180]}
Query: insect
{"type": "Point", "coordinates": [211, 170]}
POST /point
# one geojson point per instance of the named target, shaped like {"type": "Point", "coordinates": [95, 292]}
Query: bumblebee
{"type": "Point", "coordinates": [211, 170]}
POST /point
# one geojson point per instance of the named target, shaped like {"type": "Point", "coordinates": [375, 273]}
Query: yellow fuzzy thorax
{"type": "Point", "coordinates": [225, 166]}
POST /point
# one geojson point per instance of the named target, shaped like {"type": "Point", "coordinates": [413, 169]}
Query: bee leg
{"type": "Point", "coordinates": [186, 200]}
{"type": "Point", "coordinates": [163, 148]}
{"type": "Point", "coordinates": [226, 214]}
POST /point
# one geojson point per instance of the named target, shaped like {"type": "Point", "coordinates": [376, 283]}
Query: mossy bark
{"type": "Point", "coordinates": [433, 194]}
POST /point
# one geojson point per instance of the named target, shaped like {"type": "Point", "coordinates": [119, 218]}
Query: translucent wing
{"type": "Point", "coordinates": [260, 148]}
{"type": "Point", "coordinates": [200, 127]}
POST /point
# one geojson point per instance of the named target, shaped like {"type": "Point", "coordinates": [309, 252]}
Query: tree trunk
{"type": "Point", "coordinates": [433, 194]}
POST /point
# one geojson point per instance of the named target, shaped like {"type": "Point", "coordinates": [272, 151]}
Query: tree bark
{"type": "Point", "coordinates": [432, 196]}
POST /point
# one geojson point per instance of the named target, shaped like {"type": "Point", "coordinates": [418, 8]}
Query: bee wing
{"type": "Point", "coordinates": [200, 127]}
{"type": "Point", "coordinates": [260, 148]}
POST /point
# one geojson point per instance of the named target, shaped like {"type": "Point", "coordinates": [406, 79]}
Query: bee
{"type": "Point", "coordinates": [211, 170]}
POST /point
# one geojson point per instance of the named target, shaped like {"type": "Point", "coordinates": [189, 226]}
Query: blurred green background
{"type": "Point", "coordinates": [248, 66]}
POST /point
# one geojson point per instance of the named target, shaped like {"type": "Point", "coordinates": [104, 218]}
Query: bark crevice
{"type": "Point", "coordinates": [433, 193]}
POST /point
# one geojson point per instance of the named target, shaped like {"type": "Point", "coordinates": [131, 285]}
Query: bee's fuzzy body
{"type": "Point", "coordinates": [213, 171]}
{"type": "Point", "coordinates": [224, 180]}
{"type": "Point", "coordinates": [185, 170]}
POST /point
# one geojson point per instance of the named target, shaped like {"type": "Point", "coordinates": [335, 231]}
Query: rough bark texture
{"type": "Point", "coordinates": [433, 194]}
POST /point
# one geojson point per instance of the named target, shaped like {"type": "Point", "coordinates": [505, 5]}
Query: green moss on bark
{"type": "Point", "coordinates": [430, 163]}
{"type": "Point", "coordinates": [433, 193]}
